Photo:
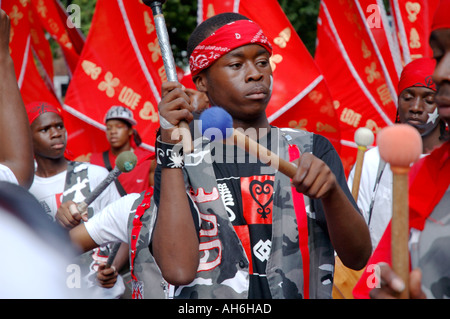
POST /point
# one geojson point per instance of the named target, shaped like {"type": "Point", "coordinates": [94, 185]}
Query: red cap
{"type": "Point", "coordinates": [34, 109]}
{"type": "Point", "coordinates": [418, 73]}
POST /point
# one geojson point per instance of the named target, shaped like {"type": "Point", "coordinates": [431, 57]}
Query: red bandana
{"type": "Point", "coordinates": [441, 17]}
{"type": "Point", "coordinates": [224, 40]}
{"type": "Point", "coordinates": [35, 109]}
{"type": "Point", "coordinates": [418, 73]}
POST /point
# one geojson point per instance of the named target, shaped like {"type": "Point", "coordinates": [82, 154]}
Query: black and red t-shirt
{"type": "Point", "coordinates": [247, 192]}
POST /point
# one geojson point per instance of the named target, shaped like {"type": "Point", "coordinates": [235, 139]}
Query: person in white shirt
{"type": "Point", "coordinates": [109, 226]}
{"type": "Point", "coordinates": [128, 220]}
{"type": "Point", "coordinates": [59, 183]}
{"type": "Point", "coordinates": [416, 107]}
{"type": "Point", "coordinates": [7, 175]}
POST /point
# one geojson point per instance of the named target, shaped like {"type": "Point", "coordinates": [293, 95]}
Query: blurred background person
{"type": "Point", "coordinates": [122, 137]}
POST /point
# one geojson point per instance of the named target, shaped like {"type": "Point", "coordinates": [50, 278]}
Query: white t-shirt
{"type": "Point", "coordinates": [382, 206]}
{"type": "Point", "coordinates": [49, 190]}
{"type": "Point", "coordinates": [7, 175]}
{"type": "Point", "coordinates": [111, 224]}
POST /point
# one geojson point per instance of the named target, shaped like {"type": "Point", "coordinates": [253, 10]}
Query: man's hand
{"type": "Point", "coordinates": [392, 285]}
{"type": "Point", "coordinates": [199, 100]}
{"type": "Point", "coordinates": [107, 277]}
{"type": "Point", "coordinates": [68, 215]}
{"type": "Point", "coordinates": [313, 178]}
{"type": "Point", "coordinates": [175, 106]}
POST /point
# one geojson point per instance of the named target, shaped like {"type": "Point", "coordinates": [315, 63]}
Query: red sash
{"type": "Point", "coordinates": [137, 226]}
{"type": "Point", "coordinates": [302, 223]}
{"type": "Point", "coordinates": [429, 180]}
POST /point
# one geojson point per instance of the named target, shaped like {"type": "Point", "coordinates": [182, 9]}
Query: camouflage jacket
{"type": "Point", "coordinates": [429, 251]}
{"type": "Point", "coordinates": [224, 267]}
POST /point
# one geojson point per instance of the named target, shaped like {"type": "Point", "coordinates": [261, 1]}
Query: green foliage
{"type": "Point", "coordinates": [303, 16]}
{"type": "Point", "coordinates": [87, 11]}
{"type": "Point", "coordinates": [181, 20]}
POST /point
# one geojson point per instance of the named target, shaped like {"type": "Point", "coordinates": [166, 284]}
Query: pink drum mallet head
{"type": "Point", "coordinates": [400, 145]}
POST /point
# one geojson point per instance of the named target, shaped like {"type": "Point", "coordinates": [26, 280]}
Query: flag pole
{"type": "Point", "coordinates": [169, 63]}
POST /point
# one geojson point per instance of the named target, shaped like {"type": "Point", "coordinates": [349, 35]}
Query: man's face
{"type": "Point", "coordinates": [440, 44]}
{"type": "Point", "coordinates": [416, 107]}
{"type": "Point", "coordinates": [240, 82]}
{"type": "Point", "coordinates": [49, 136]}
{"type": "Point", "coordinates": [117, 133]}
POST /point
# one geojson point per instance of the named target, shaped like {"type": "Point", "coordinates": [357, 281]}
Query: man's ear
{"type": "Point", "coordinates": [200, 82]}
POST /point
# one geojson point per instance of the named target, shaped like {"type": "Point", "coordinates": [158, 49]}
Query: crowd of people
{"type": "Point", "coordinates": [217, 223]}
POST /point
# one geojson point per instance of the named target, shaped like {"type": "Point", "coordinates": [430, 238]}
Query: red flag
{"type": "Point", "coordinates": [48, 13]}
{"type": "Point", "coordinates": [30, 82]}
{"type": "Point", "coordinates": [300, 97]}
{"type": "Point", "coordinates": [75, 35]}
{"type": "Point", "coordinates": [383, 39]}
{"type": "Point", "coordinates": [120, 64]}
{"type": "Point", "coordinates": [40, 45]}
{"type": "Point", "coordinates": [413, 23]}
{"type": "Point", "coordinates": [19, 38]}
{"type": "Point", "coordinates": [360, 73]}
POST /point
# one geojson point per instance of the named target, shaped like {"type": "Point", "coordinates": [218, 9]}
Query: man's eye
{"type": "Point", "coordinates": [407, 97]}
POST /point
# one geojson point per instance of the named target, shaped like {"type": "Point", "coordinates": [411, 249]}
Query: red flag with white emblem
{"type": "Point", "coordinates": [48, 12]}
{"type": "Point", "coordinates": [31, 84]}
{"type": "Point", "coordinates": [361, 73]}
{"type": "Point", "coordinates": [120, 64]}
{"type": "Point", "coordinates": [413, 24]}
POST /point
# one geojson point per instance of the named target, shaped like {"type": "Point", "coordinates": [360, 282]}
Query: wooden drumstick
{"type": "Point", "coordinates": [400, 145]}
{"type": "Point", "coordinates": [216, 122]}
{"type": "Point", "coordinates": [363, 138]}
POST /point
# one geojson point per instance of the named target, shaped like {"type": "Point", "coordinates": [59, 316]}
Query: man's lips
{"type": "Point", "coordinates": [415, 122]}
{"type": "Point", "coordinates": [257, 93]}
{"type": "Point", "coordinates": [58, 146]}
